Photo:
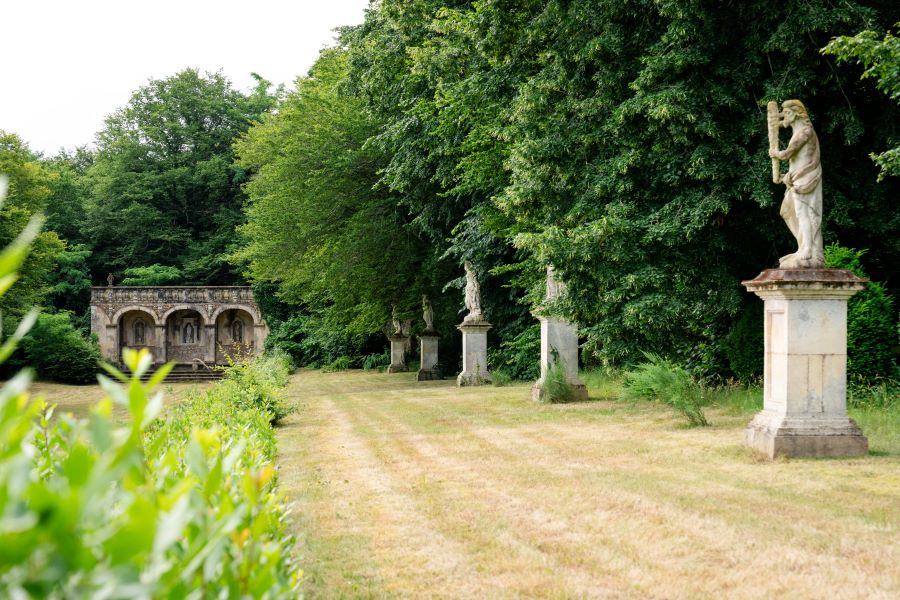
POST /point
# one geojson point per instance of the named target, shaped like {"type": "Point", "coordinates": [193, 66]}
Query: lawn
{"type": "Point", "coordinates": [77, 399]}
{"type": "Point", "coordinates": [406, 489]}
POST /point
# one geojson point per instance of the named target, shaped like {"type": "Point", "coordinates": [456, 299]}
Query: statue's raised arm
{"type": "Point", "coordinates": [802, 205]}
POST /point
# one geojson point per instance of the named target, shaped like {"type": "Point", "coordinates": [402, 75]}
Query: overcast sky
{"type": "Point", "coordinates": [66, 64]}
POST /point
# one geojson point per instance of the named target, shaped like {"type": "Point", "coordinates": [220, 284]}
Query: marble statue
{"type": "Point", "coordinates": [395, 321]}
{"type": "Point", "coordinates": [110, 280]}
{"type": "Point", "coordinates": [555, 288]}
{"type": "Point", "coordinates": [473, 294]}
{"type": "Point", "coordinates": [802, 205]}
{"type": "Point", "coordinates": [427, 313]}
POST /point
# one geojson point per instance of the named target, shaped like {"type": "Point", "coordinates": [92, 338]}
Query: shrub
{"type": "Point", "coordinates": [57, 351]}
{"type": "Point", "coordinates": [518, 357]}
{"type": "Point", "coordinates": [500, 378]}
{"type": "Point", "coordinates": [258, 382]}
{"type": "Point", "coordinates": [745, 345]}
{"type": "Point", "coordinates": [175, 511]}
{"type": "Point", "coordinates": [663, 381]}
{"type": "Point", "coordinates": [870, 314]}
{"type": "Point", "coordinates": [341, 363]}
{"type": "Point", "coordinates": [376, 361]}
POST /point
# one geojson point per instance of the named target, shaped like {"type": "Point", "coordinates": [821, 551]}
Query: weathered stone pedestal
{"type": "Point", "coordinates": [559, 345]}
{"type": "Point", "coordinates": [398, 354]}
{"type": "Point", "coordinates": [428, 352]}
{"type": "Point", "coordinates": [475, 367]}
{"type": "Point", "coordinates": [805, 397]}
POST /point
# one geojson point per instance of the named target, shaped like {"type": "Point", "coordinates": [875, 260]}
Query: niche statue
{"type": "Point", "coordinates": [802, 205]}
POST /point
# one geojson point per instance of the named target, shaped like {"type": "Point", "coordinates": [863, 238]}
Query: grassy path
{"type": "Point", "coordinates": [405, 489]}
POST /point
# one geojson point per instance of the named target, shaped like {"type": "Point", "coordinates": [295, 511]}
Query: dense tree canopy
{"type": "Point", "coordinates": [163, 188]}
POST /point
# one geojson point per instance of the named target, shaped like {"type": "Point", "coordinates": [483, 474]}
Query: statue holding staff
{"type": "Point", "coordinates": [802, 205]}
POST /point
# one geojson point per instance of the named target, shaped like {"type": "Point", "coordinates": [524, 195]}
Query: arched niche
{"type": "Point", "coordinates": [186, 335]}
{"type": "Point", "coordinates": [235, 334]}
{"type": "Point", "coordinates": [137, 329]}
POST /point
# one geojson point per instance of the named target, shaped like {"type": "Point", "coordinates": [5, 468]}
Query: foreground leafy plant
{"type": "Point", "coordinates": [152, 509]}
{"type": "Point", "coordinates": [661, 380]}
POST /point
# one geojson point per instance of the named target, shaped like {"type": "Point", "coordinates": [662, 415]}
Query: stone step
{"type": "Point", "coordinates": [182, 373]}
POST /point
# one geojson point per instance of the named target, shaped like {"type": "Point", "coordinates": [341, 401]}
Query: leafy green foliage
{"type": "Point", "coordinates": [257, 383]}
{"type": "Point", "coordinates": [518, 357]}
{"type": "Point", "coordinates": [880, 56]}
{"type": "Point", "coordinates": [174, 508]}
{"type": "Point", "coordinates": [317, 225]}
{"type": "Point", "coordinates": [70, 287]}
{"type": "Point", "coordinates": [663, 381]}
{"type": "Point", "coordinates": [870, 319]}
{"type": "Point", "coordinates": [744, 346]}
{"type": "Point", "coordinates": [618, 141]}
{"type": "Point", "coordinates": [59, 352]}
{"type": "Point", "coordinates": [29, 185]}
{"type": "Point", "coordinates": [163, 188]}
{"type": "Point", "coordinates": [152, 275]}
{"type": "Point", "coordinates": [378, 360]}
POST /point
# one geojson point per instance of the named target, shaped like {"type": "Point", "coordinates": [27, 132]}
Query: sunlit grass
{"type": "Point", "coordinates": [407, 489]}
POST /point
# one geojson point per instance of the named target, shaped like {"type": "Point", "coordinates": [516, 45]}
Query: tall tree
{"type": "Point", "coordinates": [164, 188]}
{"type": "Point", "coordinates": [30, 185]}
{"type": "Point", "coordinates": [317, 225]}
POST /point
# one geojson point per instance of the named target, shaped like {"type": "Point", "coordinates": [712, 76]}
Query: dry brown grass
{"type": "Point", "coordinates": [425, 490]}
{"type": "Point", "coordinates": [77, 399]}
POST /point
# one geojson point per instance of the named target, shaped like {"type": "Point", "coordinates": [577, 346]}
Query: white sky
{"type": "Point", "coordinates": [66, 64]}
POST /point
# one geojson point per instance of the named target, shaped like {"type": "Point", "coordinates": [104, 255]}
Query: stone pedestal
{"type": "Point", "coordinates": [805, 397]}
{"type": "Point", "coordinates": [428, 353]}
{"type": "Point", "coordinates": [398, 354]}
{"type": "Point", "coordinates": [475, 367]}
{"type": "Point", "coordinates": [559, 344]}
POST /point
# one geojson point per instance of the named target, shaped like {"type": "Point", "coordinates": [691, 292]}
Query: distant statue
{"type": "Point", "coordinates": [427, 313]}
{"type": "Point", "coordinates": [473, 294]}
{"type": "Point", "coordinates": [237, 332]}
{"type": "Point", "coordinates": [139, 333]}
{"type": "Point", "coordinates": [802, 205]}
{"type": "Point", "coordinates": [110, 280]}
{"type": "Point", "coordinates": [187, 334]}
{"type": "Point", "coordinates": [395, 321]}
{"type": "Point", "coordinates": [555, 289]}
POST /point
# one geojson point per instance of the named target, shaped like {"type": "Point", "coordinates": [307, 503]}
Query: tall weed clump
{"type": "Point", "coordinates": [557, 389]}
{"type": "Point", "coordinates": [664, 381]}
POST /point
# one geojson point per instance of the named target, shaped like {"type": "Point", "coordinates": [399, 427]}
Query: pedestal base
{"type": "Point", "coordinates": [805, 371]}
{"type": "Point", "coordinates": [398, 354]}
{"type": "Point", "coordinates": [559, 349]}
{"type": "Point", "coordinates": [777, 435]}
{"type": "Point", "coordinates": [428, 353]}
{"type": "Point", "coordinates": [464, 379]}
{"type": "Point", "coordinates": [475, 371]}
{"type": "Point", "coordinates": [579, 391]}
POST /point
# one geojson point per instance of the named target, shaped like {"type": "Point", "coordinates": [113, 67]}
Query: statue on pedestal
{"type": "Point", "coordinates": [555, 289]}
{"type": "Point", "coordinates": [110, 280]}
{"type": "Point", "coordinates": [802, 205]}
{"type": "Point", "coordinates": [473, 295]}
{"type": "Point", "coordinates": [395, 321]}
{"type": "Point", "coordinates": [427, 313]}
